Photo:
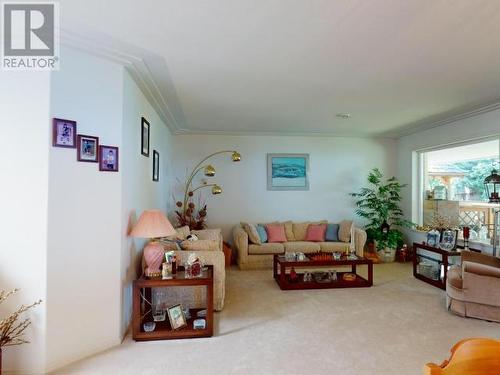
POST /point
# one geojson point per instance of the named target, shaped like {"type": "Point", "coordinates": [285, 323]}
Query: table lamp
{"type": "Point", "coordinates": [153, 224]}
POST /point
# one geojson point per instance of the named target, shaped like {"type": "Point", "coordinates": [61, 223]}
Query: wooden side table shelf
{"type": "Point", "coordinates": [437, 257]}
{"type": "Point", "coordinates": [163, 330]}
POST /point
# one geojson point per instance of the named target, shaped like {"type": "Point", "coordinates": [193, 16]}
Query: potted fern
{"type": "Point", "coordinates": [379, 205]}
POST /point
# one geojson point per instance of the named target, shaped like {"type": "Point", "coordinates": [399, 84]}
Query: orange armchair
{"type": "Point", "coordinates": [469, 357]}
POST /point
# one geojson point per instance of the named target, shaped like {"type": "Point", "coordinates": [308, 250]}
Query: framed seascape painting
{"type": "Point", "coordinates": [63, 133]}
{"type": "Point", "coordinates": [144, 137]}
{"type": "Point", "coordinates": [287, 171]}
{"type": "Point", "coordinates": [108, 158]}
{"type": "Point", "coordinates": [87, 148]}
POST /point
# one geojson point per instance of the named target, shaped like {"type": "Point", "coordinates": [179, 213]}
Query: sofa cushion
{"type": "Point", "coordinates": [208, 234]}
{"type": "Point", "coordinates": [345, 230]}
{"type": "Point", "coordinates": [330, 246]}
{"type": "Point", "coordinates": [300, 230]}
{"type": "Point", "coordinates": [289, 231]}
{"type": "Point", "coordinates": [200, 245]}
{"type": "Point", "coordinates": [316, 232]}
{"type": "Point", "coordinates": [266, 248]}
{"type": "Point", "coordinates": [251, 230]}
{"type": "Point", "coordinates": [261, 229]}
{"type": "Point", "coordinates": [302, 246]}
{"type": "Point", "coordinates": [332, 232]}
{"type": "Point", "coordinates": [275, 233]}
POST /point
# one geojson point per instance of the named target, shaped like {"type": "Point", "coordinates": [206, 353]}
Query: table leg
{"type": "Point", "coordinates": [445, 265]}
{"type": "Point", "coordinates": [353, 268]}
{"type": "Point", "coordinates": [275, 267]}
{"type": "Point", "coordinates": [282, 275]}
{"type": "Point", "coordinates": [370, 273]}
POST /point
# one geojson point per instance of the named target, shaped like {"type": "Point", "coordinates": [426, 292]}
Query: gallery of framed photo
{"type": "Point", "coordinates": [63, 133]}
{"type": "Point", "coordinates": [287, 171]}
{"type": "Point", "coordinates": [156, 166]}
{"type": "Point", "coordinates": [87, 148]}
{"type": "Point", "coordinates": [108, 158]}
{"type": "Point", "coordinates": [176, 317]}
{"type": "Point", "coordinates": [145, 137]}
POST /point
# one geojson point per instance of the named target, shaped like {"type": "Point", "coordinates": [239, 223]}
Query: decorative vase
{"type": "Point", "coordinates": [387, 255]}
{"type": "Point", "coordinates": [153, 256]}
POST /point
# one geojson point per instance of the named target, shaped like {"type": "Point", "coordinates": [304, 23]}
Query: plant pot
{"type": "Point", "coordinates": [387, 255]}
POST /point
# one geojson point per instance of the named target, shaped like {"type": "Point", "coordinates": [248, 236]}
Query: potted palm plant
{"type": "Point", "coordinates": [379, 205]}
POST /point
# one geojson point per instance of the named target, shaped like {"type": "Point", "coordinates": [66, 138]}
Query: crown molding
{"type": "Point", "coordinates": [134, 63]}
{"type": "Point", "coordinates": [422, 125]}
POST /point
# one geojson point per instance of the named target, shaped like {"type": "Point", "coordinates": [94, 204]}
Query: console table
{"type": "Point", "coordinates": [163, 330]}
{"type": "Point", "coordinates": [430, 264]}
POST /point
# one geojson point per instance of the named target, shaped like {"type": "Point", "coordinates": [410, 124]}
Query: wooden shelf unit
{"type": "Point", "coordinates": [163, 330]}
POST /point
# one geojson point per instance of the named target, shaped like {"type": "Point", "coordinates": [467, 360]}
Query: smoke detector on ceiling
{"type": "Point", "coordinates": [344, 116]}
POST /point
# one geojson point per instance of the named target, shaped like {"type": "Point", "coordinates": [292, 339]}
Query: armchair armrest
{"type": "Point", "coordinates": [472, 256]}
{"type": "Point", "coordinates": [480, 269]}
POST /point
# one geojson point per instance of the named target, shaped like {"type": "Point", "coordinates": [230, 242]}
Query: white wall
{"type": "Point", "coordinates": [139, 191]}
{"type": "Point", "coordinates": [338, 166]}
{"type": "Point", "coordinates": [84, 232]}
{"type": "Point", "coordinates": [25, 135]}
{"type": "Point", "coordinates": [477, 127]}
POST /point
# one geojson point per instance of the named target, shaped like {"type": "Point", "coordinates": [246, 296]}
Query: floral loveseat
{"type": "Point", "coordinates": [251, 254]}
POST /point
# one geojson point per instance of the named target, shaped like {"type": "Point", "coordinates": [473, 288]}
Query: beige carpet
{"type": "Point", "coordinates": [394, 327]}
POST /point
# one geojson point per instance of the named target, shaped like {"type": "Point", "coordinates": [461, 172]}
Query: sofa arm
{"type": "Point", "coordinates": [480, 269]}
{"type": "Point", "coordinates": [359, 241]}
{"type": "Point", "coordinates": [240, 241]}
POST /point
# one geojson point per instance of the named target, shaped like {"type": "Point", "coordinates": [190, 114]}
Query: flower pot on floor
{"type": "Point", "coordinates": [387, 255]}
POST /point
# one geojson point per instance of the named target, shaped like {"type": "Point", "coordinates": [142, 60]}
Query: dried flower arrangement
{"type": "Point", "coordinates": [441, 222]}
{"type": "Point", "coordinates": [11, 329]}
{"type": "Point", "coordinates": [192, 216]}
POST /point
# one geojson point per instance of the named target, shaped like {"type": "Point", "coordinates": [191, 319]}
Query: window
{"type": "Point", "coordinates": [452, 184]}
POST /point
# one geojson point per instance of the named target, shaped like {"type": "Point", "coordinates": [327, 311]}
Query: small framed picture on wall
{"type": "Point", "coordinates": [108, 158]}
{"type": "Point", "coordinates": [156, 166]}
{"type": "Point", "coordinates": [87, 148]}
{"type": "Point", "coordinates": [144, 137]}
{"type": "Point", "coordinates": [63, 133]}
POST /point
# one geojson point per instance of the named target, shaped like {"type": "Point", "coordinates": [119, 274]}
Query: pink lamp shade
{"type": "Point", "coordinates": [153, 224]}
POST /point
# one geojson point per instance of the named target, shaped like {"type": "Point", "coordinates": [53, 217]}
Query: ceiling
{"type": "Point", "coordinates": [290, 66]}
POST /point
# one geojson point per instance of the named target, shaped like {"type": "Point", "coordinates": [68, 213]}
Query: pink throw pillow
{"type": "Point", "coordinates": [316, 232]}
{"type": "Point", "coordinates": [275, 233]}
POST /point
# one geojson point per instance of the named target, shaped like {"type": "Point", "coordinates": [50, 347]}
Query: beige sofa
{"type": "Point", "coordinates": [252, 256]}
{"type": "Point", "coordinates": [473, 289]}
{"type": "Point", "coordinates": [209, 249]}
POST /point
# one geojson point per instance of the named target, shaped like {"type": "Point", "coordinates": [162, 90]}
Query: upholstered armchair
{"type": "Point", "coordinates": [473, 289]}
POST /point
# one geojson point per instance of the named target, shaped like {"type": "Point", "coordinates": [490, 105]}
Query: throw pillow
{"type": "Point", "coordinates": [345, 230]}
{"type": "Point", "coordinates": [332, 232]}
{"type": "Point", "coordinates": [289, 231]}
{"type": "Point", "coordinates": [253, 235]}
{"type": "Point", "coordinates": [200, 245]}
{"type": "Point", "coordinates": [300, 230]}
{"type": "Point", "coordinates": [316, 232]}
{"type": "Point", "coordinates": [261, 229]}
{"type": "Point", "coordinates": [275, 233]}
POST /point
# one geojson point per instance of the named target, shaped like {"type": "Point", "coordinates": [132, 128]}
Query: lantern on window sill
{"type": "Point", "coordinates": [492, 186]}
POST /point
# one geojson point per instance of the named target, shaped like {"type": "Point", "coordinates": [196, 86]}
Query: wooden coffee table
{"type": "Point", "coordinates": [282, 277]}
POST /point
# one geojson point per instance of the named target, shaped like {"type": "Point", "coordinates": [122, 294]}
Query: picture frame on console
{"type": "Point", "coordinates": [87, 148]}
{"type": "Point", "coordinates": [145, 131]}
{"type": "Point", "coordinates": [156, 166]}
{"type": "Point", "coordinates": [63, 133]}
{"type": "Point", "coordinates": [176, 317]}
{"type": "Point", "coordinates": [287, 172]}
{"type": "Point", "coordinates": [108, 158]}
